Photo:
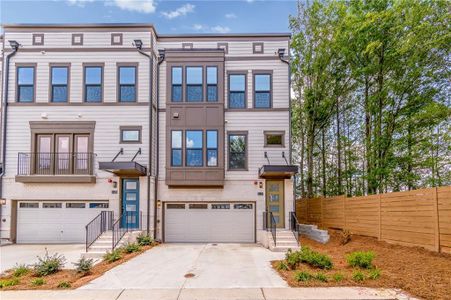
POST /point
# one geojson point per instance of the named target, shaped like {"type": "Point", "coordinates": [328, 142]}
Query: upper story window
{"type": "Point", "coordinates": [237, 151]}
{"type": "Point", "coordinates": [212, 148]}
{"type": "Point", "coordinates": [262, 90]}
{"type": "Point", "coordinates": [274, 138]}
{"type": "Point", "coordinates": [237, 91]}
{"type": "Point", "coordinates": [176, 148]}
{"type": "Point", "coordinates": [127, 84]}
{"type": "Point", "coordinates": [194, 148]}
{"type": "Point", "coordinates": [93, 84]}
{"type": "Point", "coordinates": [212, 84]}
{"type": "Point", "coordinates": [25, 84]}
{"type": "Point", "coordinates": [130, 134]}
{"type": "Point", "coordinates": [176, 86]}
{"type": "Point", "coordinates": [194, 81]}
{"type": "Point", "coordinates": [59, 81]}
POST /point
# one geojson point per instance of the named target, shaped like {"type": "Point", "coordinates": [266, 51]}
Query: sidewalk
{"type": "Point", "coordinates": [350, 293]}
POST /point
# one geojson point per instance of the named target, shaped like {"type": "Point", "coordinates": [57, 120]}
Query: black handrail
{"type": "Point", "coordinates": [270, 224]}
{"type": "Point", "coordinates": [94, 229]}
{"type": "Point", "coordinates": [294, 225]}
{"type": "Point", "coordinates": [121, 226]}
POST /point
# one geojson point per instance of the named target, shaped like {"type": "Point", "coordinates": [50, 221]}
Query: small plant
{"type": "Point", "coordinates": [361, 259]}
{"type": "Point", "coordinates": [358, 276]}
{"type": "Point", "coordinates": [302, 276]}
{"type": "Point", "coordinates": [345, 237]}
{"type": "Point", "coordinates": [49, 264]}
{"type": "Point", "coordinates": [84, 265]}
{"type": "Point", "coordinates": [131, 247]}
{"type": "Point", "coordinates": [321, 277]}
{"type": "Point", "coordinates": [144, 240]}
{"type": "Point", "coordinates": [338, 277]}
{"type": "Point", "coordinates": [8, 282]}
{"type": "Point", "coordinates": [38, 281]}
{"type": "Point", "coordinates": [63, 285]}
{"type": "Point", "coordinates": [315, 259]}
{"type": "Point", "coordinates": [112, 256]}
{"type": "Point", "coordinates": [292, 259]}
{"type": "Point", "coordinates": [374, 274]}
{"type": "Point", "coordinates": [281, 265]}
{"type": "Point", "coordinates": [20, 270]}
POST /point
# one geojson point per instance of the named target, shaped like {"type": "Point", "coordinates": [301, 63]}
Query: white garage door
{"type": "Point", "coordinates": [212, 222]}
{"type": "Point", "coordinates": [55, 222]}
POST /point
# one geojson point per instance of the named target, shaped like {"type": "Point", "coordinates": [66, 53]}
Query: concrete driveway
{"type": "Point", "coordinates": [213, 266]}
{"type": "Point", "coordinates": [11, 255]}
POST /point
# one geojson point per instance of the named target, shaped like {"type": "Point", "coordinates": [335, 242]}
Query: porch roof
{"type": "Point", "coordinates": [123, 168]}
{"type": "Point", "coordinates": [277, 171]}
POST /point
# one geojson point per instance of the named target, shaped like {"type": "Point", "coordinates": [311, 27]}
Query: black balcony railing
{"type": "Point", "coordinates": [55, 163]}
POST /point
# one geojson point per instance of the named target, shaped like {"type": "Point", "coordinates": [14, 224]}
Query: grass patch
{"type": "Point", "coordinates": [358, 276]}
{"type": "Point", "coordinates": [374, 274]}
{"type": "Point", "coordinates": [8, 282]}
{"type": "Point", "coordinates": [64, 285]}
{"type": "Point", "coordinates": [84, 265]}
{"type": "Point", "coordinates": [112, 256]}
{"type": "Point", "coordinates": [131, 247]}
{"type": "Point", "coordinates": [361, 259]}
{"type": "Point", "coordinates": [37, 281]}
{"type": "Point", "coordinates": [49, 264]}
{"type": "Point", "coordinates": [338, 277]}
{"type": "Point", "coordinates": [302, 276]}
{"type": "Point", "coordinates": [281, 265]}
{"type": "Point", "coordinates": [321, 277]}
{"type": "Point", "coordinates": [20, 270]}
{"type": "Point", "coordinates": [144, 240]}
{"type": "Point", "coordinates": [308, 256]}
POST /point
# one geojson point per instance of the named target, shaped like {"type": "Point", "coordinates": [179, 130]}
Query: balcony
{"type": "Point", "coordinates": [53, 167]}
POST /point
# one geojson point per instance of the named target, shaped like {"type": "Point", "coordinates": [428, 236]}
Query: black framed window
{"type": "Point", "coordinates": [25, 84]}
{"type": "Point", "coordinates": [194, 81]}
{"type": "Point", "coordinates": [212, 148]}
{"type": "Point", "coordinates": [60, 78]}
{"type": "Point", "coordinates": [176, 148]}
{"type": "Point", "coordinates": [237, 91]}
{"type": "Point", "coordinates": [212, 84]}
{"type": "Point", "coordinates": [130, 134]}
{"type": "Point", "coordinates": [93, 84]}
{"type": "Point", "coordinates": [194, 148]}
{"type": "Point", "coordinates": [127, 84]}
{"type": "Point", "coordinates": [262, 90]}
{"type": "Point", "coordinates": [237, 151]}
{"type": "Point", "coordinates": [177, 80]}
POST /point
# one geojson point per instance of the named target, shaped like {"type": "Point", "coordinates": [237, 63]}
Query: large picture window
{"type": "Point", "coordinates": [25, 84]}
{"type": "Point", "coordinates": [237, 91]}
{"type": "Point", "coordinates": [237, 151]}
{"type": "Point", "coordinates": [194, 84]}
{"type": "Point", "coordinates": [262, 91]}
{"type": "Point", "coordinates": [212, 84]}
{"type": "Point", "coordinates": [176, 87]}
{"type": "Point", "coordinates": [212, 148]}
{"type": "Point", "coordinates": [60, 79]}
{"type": "Point", "coordinates": [194, 148]}
{"type": "Point", "coordinates": [93, 84]}
{"type": "Point", "coordinates": [176, 148]}
{"type": "Point", "coordinates": [127, 84]}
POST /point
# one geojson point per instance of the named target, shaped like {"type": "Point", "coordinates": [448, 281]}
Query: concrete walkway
{"type": "Point", "coordinates": [178, 266]}
{"type": "Point", "coordinates": [349, 293]}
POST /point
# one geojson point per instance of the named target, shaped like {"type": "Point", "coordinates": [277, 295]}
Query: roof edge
{"type": "Point", "coordinates": [75, 25]}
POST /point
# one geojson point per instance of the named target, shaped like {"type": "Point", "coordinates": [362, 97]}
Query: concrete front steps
{"type": "Point", "coordinates": [285, 240]}
{"type": "Point", "coordinates": [104, 244]}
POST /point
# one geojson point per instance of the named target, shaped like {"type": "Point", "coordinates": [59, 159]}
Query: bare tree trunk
{"type": "Point", "coordinates": [323, 162]}
{"type": "Point", "coordinates": [340, 190]}
{"type": "Point", "coordinates": [310, 145]}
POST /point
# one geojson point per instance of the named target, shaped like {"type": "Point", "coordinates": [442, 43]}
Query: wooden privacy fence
{"type": "Point", "coordinates": [414, 218]}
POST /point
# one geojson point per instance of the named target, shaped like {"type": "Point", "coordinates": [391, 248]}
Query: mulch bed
{"type": "Point", "coordinates": [71, 276]}
{"type": "Point", "coordinates": [415, 270]}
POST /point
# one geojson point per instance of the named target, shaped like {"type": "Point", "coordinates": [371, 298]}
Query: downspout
{"type": "Point", "coordinates": [15, 47]}
{"type": "Point", "coordinates": [149, 163]}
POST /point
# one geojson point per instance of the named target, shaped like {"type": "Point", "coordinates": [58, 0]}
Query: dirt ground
{"type": "Point", "coordinates": [71, 276]}
{"type": "Point", "coordinates": [417, 271]}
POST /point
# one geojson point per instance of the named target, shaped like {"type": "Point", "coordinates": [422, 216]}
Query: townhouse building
{"type": "Point", "coordinates": [109, 126]}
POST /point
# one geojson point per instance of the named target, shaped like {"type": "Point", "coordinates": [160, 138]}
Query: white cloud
{"type": "Point", "coordinates": [198, 27]}
{"type": "Point", "coordinates": [220, 29]}
{"type": "Point", "coordinates": [189, 143]}
{"type": "Point", "coordinates": [230, 16]}
{"type": "Point", "coordinates": [181, 11]}
{"type": "Point", "coordinates": [142, 6]}
{"type": "Point", "coordinates": [206, 28]}
{"type": "Point", "coordinates": [80, 3]}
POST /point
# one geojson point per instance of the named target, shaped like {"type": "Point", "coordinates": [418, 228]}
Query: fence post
{"type": "Point", "coordinates": [380, 219]}
{"type": "Point", "coordinates": [436, 219]}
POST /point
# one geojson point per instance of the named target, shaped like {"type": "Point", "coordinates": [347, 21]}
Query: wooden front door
{"type": "Point", "coordinates": [275, 201]}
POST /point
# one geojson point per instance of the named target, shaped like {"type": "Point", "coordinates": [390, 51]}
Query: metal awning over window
{"type": "Point", "coordinates": [277, 171]}
{"type": "Point", "coordinates": [123, 168]}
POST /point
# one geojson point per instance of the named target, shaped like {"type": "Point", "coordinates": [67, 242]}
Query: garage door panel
{"type": "Point", "coordinates": [210, 225]}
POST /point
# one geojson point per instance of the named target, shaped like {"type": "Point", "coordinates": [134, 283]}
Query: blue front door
{"type": "Point", "coordinates": [130, 203]}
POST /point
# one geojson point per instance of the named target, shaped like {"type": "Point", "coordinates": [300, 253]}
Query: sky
{"type": "Point", "coordinates": [168, 17]}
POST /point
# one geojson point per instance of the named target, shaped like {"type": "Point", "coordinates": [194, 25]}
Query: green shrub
{"type": "Point", "coordinates": [281, 265]}
{"type": "Point", "coordinates": [338, 277]}
{"type": "Point", "coordinates": [292, 259]}
{"type": "Point", "coordinates": [358, 276]}
{"type": "Point", "coordinates": [49, 264]}
{"type": "Point", "coordinates": [361, 259]}
{"type": "Point", "coordinates": [374, 274]}
{"type": "Point", "coordinates": [84, 265]}
{"type": "Point", "coordinates": [9, 282]}
{"type": "Point", "coordinates": [144, 240]}
{"type": "Point", "coordinates": [38, 281]}
{"type": "Point", "coordinates": [20, 270]}
{"type": "Point", "coordinates": [315, 259]}
{"type": "Point", "coordinates": [63, 285]}
{"type": "Point", "coordinates": [131, 247]}
{"type": "Point", "coordinates": [302, 276]}
{"type": "Point", "coordinates": [112, 256]}
{"type": "Point", "coordinates": [321, 277]}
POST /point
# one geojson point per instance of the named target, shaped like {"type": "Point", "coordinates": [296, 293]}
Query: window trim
{"type": "Point", "coordinates": [102, 83]}
{"type": "Point", "coordinates": [74, 35]}
{"type": "Point", "coordinates": [206, 148]}
{"type": "Point", "coordinates": [207, 84]}
{"type": "Point", "coordinates": [246, 151]}
{"type": "Point", "coordinates": [130, 128]}
{"type": "Point", "coordinates": [254, 48]}
{"type": "Point", "coordinates": [229, 73]}
{"type": "Point", "coordinates": [26, 65]}
{"type": "Point", "coordinates": [202, 85]}
{"type": "Point", "coordinates": [121, 39]}
{"type": "Point", "coordinates": [185, 147]}
{"type": "Point", "coordinates": [172, 85]}
{"type": "Point", "coordinates": [120, 65]}
{"type": "Point", "coordinates": [262, 72]}
{"type": "Point", "coordinates": [274, 132]}
{"type": "Point", "coordinates": [181, 149]}
{"type": "Point", "coordinates": [34, 42]}
{"type": "Point", "coordinates": [59, 65]}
